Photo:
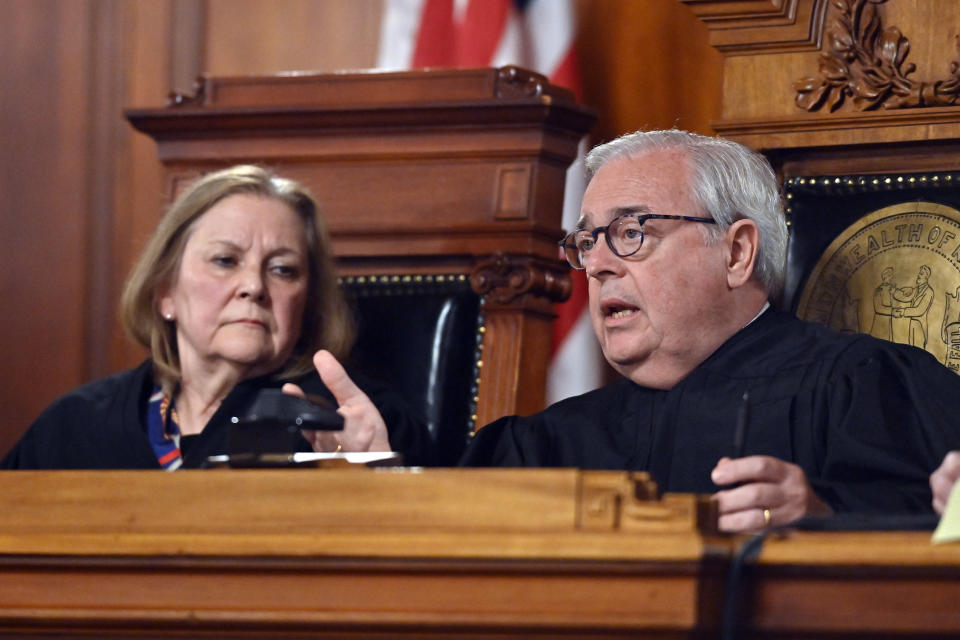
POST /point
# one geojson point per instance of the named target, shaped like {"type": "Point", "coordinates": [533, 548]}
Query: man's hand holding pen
{"type": "Point", "coordinates": [764, 491]}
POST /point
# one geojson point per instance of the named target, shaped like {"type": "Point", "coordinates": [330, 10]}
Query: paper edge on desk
{"type": "Point", "coordinates": [949, 528]}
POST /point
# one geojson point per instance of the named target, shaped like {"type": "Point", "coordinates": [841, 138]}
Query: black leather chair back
{"type": "Point", "coordinates": [421, 334]}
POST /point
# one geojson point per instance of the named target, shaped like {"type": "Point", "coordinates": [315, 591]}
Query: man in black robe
{"type": "Point", "coordinates": [693, 250]}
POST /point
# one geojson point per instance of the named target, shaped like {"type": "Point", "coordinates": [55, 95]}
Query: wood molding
{"type": "Point", "coordinates": [846, 131]}
{"type": "Point", "coordinates": [753, 26]}
{"type": "Point", "coordinates": [810, 124]}
{"type": "Point", "coordinates": [375, 89]}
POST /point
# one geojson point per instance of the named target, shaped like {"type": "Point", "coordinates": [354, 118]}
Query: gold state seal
{"type": "Point", "coordinates": [895, 274]}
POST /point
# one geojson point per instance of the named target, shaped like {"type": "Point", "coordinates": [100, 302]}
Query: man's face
{"type": "Point", "coordinates": [652, 311]}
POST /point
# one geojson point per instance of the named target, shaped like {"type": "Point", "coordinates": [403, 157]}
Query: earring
{"type": "Point", "coordinates": [168, 316]}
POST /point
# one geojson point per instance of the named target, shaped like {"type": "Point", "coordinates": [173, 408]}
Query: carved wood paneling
{"type": "Point", "coordinates": [866, 60]}
{"type": "Point", "coordinates": [887, 71]}
{"type": "Point", "coordinates": [504, 279]}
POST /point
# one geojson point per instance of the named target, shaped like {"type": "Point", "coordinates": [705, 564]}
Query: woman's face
{"type": "Point", "coordinates": [238, 297]}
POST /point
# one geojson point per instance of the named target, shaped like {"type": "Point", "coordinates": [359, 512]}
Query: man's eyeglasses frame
{"type": "Point", "coordinates": [573, 253]}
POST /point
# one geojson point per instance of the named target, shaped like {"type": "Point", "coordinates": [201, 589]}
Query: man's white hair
{"type": "Point", "coordinates": [729, 181]}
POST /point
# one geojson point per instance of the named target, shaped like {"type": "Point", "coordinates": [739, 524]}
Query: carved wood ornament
{"type": "Point", "coordinates": [867, 62]}
{"type": "Point", "coordinates": [506, 278]}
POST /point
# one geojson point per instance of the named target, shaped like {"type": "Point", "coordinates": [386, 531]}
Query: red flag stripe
{"type": "Point", "coordinates": [479, 33]}
{"type": "Point", "coordinates": [436, 39]}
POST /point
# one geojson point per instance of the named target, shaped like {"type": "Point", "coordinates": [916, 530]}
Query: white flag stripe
{"type": "Point", "coordinates": [460, 10]}
{"type": "Point", "coordinates": [510, 49]}
{"type": "Point", "coordinates": [398, 34]}
{"type": "Point", "coordinates": [552, 27]}
{"type": "Point", "coordinates": [574, 188]}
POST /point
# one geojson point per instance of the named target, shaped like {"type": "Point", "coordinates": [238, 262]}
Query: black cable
{"type": "Point", "coordinates": [869, 522]}
{"type": "Point", "coordinates": [730, 623]}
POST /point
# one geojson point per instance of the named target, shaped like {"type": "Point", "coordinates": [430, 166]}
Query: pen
{"type": "Point", "coordinates": [740, 432]}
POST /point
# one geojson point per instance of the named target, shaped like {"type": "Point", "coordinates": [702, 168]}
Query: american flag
{"type": "Point", "coordinates": [537, 35]}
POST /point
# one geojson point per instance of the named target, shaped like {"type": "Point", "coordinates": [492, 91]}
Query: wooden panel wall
{"type": "Point", "coordinates": [291, 34]}
{"type": "Point", "coordinates": [45, 200]}
{"type": "Point", "coordinates": [80, 191]}
{"type": "Point", "coordinates": [647, 65]}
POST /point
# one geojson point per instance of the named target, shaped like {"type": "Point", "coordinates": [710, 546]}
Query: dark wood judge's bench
{"type": "Point", "coordinates": [437, 553]}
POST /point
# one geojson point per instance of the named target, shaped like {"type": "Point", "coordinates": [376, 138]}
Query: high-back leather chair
{"type": "Point", "coordinates": [421, 335]}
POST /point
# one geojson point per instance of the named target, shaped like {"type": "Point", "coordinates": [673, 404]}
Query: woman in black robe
{"type": "Point", "coordinates": [235, 293]}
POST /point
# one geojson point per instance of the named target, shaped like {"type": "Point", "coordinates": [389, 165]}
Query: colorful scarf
{"type": "Point", "coordinates": [163, 430]}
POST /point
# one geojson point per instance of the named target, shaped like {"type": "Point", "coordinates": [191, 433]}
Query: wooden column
{"type": "Point", "coordinates": [518, 315]}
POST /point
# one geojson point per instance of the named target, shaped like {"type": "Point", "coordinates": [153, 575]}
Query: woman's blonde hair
{"type": "Point", "coordinates": [326, 320]}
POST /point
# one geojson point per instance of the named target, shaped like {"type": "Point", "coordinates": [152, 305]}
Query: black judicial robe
{"type": "Point", "coordinates": [867, 420]}
{"type": "Point", "coordinates": [102, 425]}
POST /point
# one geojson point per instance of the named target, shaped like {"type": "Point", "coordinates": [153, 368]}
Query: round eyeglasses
{"type": "Point", "coordinates": [624, 236]}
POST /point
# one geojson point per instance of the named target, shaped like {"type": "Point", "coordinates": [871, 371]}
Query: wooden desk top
{"type": "Point", "coordinates": [400, 513]}
{"type": "Point", "coordinates": [540, 553]}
